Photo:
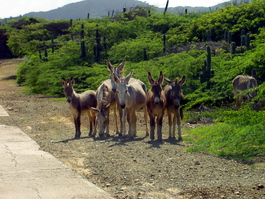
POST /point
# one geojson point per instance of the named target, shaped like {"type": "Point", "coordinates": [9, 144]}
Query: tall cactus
{"type": "Point", "coordinates": [233, 48]}
{"type": "Point", "coordinates": [82, 32]}
{"type": "Point", "coordinates": [53, 44]}
{"type": "Point", "coordinates": [207, 72]}
{"type": "Point", "coordinates": [164, 43]}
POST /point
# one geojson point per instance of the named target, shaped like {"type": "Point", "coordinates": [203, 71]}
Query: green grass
{"type": "Point", "coordinates": [237, 134]}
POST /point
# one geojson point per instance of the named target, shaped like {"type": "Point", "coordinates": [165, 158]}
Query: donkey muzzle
{"type": "Point", "coordinates": [157, 100]}
{"type": "Point", "coordinates": [122, 106]}
{"type": "Point", "coordinates": [69, 99]}
{"type": "Point", "coordinates": [176, 104]}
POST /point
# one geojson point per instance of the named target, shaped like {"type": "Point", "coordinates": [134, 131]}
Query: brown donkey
{"type": "Point", "coordinates": [241, 83]}
{"type": "Point", "coordinates": [156, 104]}
{"type": "Point", "coordinates": [102, 110]}
{"type": "Point", "coordinates": [79, 104]}
{"type": "Point", "coordinates": [174, 97]}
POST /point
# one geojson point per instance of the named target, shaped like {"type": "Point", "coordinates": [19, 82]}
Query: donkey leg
{"type": "Point", "coordinates": [159, 127]}
{"type": "Point", "coordinates": [174, 126]}
{"type": "Point", "coordinates": [90, 117]}
{"type": "Point", "coordinates": [123, 121]}
{"type": "Point", "coordinates": [146, 121]}
{"type": "Point", "coordinates": [107, 125]}
{"type": "Point", "coordinates": [77, 127]}
{"type": "Point", "coordinates": [152, 127]}
{"type": "Point", "coordinates": [93, 128]}
{"type": "Point", "coordinates": [169, 124]}
{"type": "Point", "coordinates": [179, 125]}
{"type": "Point", "coordinates": [116, 117]}
{"type": "Point", "coordinates": [134, 121]}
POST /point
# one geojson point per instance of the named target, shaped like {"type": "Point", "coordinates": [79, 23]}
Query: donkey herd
{"type": "Point", "coordinates": [127, 95]}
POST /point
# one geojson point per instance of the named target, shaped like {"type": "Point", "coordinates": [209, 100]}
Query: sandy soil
{"type": "Point", "coordinates": [126, 168]}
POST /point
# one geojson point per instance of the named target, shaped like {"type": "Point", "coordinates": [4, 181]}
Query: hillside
{"type": "Point", "coordinates": [99, 8]}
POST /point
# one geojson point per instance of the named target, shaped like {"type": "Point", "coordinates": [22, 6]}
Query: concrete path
{"type": "Point", "coordinates": [29, 173]}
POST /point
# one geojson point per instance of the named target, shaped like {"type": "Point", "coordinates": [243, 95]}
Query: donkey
{"type": "Point", "coordinates": [79, 104]}
{"type": "Point", "coordinates": [131, 97]}
{"type": "Point", "coordinates": [102, 110]}
{"type": "Point", "coordinates": [156, 104]}
{"type": "Point", "coordinates": [112, 99]}
{"type": "Point", "coordinates": [174, 98]}
{"type": "Point", "coordinates": [241, 83]}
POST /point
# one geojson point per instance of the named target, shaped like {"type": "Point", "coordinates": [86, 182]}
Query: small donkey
{"type": "Point", "coordinates": [174, 97]}
{"type": "Point", "coordinates": [156, 104]}
{"type": "Point", "coordinates": [241, 83]}
{"type": "Point", "coordinates": [79, 104]}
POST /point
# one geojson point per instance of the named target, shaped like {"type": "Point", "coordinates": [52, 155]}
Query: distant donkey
{"type": "Point", "coordinates": [156, 104]}
{"type": "Point", "coordinates": [241, 83]}
{"type": "Point", "coordinates": [175, 99]}
{"type": "Point", "coordinates": [79, 104]}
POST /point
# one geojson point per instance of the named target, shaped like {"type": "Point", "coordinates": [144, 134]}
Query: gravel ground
{"type": "Point", "coordinates": [126, 168]}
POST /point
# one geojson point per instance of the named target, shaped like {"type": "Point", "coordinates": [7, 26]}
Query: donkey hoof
{"type": "Point", "coordinates": [180, 139]}
{"type": "Point", "coordinates": [101, 135]}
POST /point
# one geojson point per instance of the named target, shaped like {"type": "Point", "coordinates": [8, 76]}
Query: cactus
{"type": "Point", "coordinates": [243, 32]}
{"type": "Point", "coordinates": [248, 41]}
{"type": "Point", "coordinates": [145, 55]}
{"type": "Point", "coordinates": [82, 32]}
{"type": "Point", "coordinates": [164, 43]}
{"type": "Point", "coordinates": [209, 35]}
{"type": "Point", "coordinates": [83, 50]}
{"type": "Point", "coordinates": [229, 37]}
{"type": "Point", "coordinates": [233, 48]}
{"type": "Point", "coordinates": [226, 36]}
{"type": "Point", "coordinates": [243, 40]}
{"type": "Point", "coordinates": [207, 72]}
{"type": "Point", "coordinates": [97, 47]}
{"type": "Point", "coordinates": [53, 44]}
{"type": "Point", "coordinates": [45, 54]}
{"type": "Point", "coordinates": [165, 11]}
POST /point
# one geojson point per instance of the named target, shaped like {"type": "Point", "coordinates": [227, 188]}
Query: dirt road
{"type": "Point", "coordinates": [126, 168]}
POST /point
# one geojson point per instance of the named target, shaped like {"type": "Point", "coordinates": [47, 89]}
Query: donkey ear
{"type": "Point", "coordinates": [72, 81]}
{"type": "Point", "coordinates": [109, 66]}
{"type": "Point", "coordinates": [168, 81]}
{"type": "Point", "coordinates": [161, 78]}
{"type": "Point", "coordinates": [182, 81]}
{"type": "Point", "coordinates": [94, 109]}
{"type": "Point", "coordinates": [121, 66]}
{"type": "Point", "coordinates": [150, 79]}
{"type": "Point", "coordinates": [128, 77]}
{"type": "Point", "coordinates": [64, 83]}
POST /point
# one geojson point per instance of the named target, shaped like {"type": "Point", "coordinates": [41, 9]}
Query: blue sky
{"type": "Point", "coordinates": [19, 7]}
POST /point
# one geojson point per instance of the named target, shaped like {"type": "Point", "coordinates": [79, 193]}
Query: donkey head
{"type": "Point", "coordinates": [122, 88]}
{"type": "Point", "coordinates": [176, 95]}
{"type": "Point", "coordinates": [68, 89]}
{"type": "Point", "coordinates": [101, 118]}
{"type": "Point", "coordinates": [156, 87]}
{"type": "Point", "coordinates": [118, 71]}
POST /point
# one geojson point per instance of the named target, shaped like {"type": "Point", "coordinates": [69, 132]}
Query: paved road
{"type": "Point", "coordinates": [29, 173]}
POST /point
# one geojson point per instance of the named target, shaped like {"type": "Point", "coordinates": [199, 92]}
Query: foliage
{"type": "Point", "coordinates": [238, 134]}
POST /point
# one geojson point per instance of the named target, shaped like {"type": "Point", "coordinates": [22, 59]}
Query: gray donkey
{"type": "Point", "coordinates": [241, 83]}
